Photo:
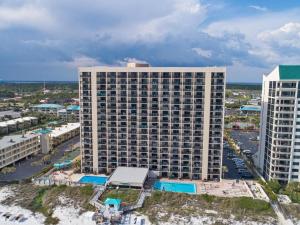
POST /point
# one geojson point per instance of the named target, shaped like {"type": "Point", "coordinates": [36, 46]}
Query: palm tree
{"type": "Point", "coordinates": [224, 170]}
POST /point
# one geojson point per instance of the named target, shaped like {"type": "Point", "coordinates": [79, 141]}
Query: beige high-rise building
{"type": "Point", "coordinates": [167, 119]}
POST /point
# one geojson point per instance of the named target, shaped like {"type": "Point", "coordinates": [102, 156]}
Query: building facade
{"type": "Point", "coordinates": [64, 133]}
{"type": "Point", "coordinates": [279, 150]}
{"type": "Point", "coordinates": [47, 108]}
{"type": "Point", "coordinates": [167, 119]}
{"type": "Point", "coordinates": [71, 113]}
{"type": "Point", "coordinates": [16, 147]}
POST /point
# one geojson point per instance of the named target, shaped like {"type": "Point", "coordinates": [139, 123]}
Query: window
{"type": "Point", "coordinates": [295, 170]}
{"type": "Point", "coordinates": [296, 156]}
{"type": "Point", "coordinates": [294, 177]}
{"type": "Point", "coordinates": [295, 163]}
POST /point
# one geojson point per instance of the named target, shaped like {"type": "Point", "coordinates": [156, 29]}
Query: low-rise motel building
{"type": "Point", "coordinates": [16, 147]}
{"type": "Point", "coordinates": [64, 133]}
{"type": "Point", "coordinates": [47, 108]}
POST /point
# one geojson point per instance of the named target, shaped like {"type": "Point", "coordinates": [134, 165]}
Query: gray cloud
{"type": "Point", "coordinates": [58, 36]}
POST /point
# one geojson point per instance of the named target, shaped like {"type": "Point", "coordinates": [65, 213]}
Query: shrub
{"type": "Point", "coordinates": [268, 190]}
{"type": "Point", "coordinates": [293, 191]}
{"type": "Point", "coordinates": [8, 169]}
{"type": "Point", "coordinates": [274, 185]}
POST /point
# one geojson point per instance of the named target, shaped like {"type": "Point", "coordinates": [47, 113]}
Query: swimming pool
{"type": "Point", "coordinates": [189, 188]}
{"type": "Point", "coordinates": [93, 180]}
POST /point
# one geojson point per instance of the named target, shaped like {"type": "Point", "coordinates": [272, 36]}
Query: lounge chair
{"type": "Point", "coordinates": [22, 219]}
{"type": "Point", "coordinates": [13, 218]}
{"type": "Point", "coordinates": [18, 217]}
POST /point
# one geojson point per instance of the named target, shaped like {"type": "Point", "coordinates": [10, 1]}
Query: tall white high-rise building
{"type": "Point", "coordinates": [279, 149]}
{"type": "Point", "coordinates": [167, 119]}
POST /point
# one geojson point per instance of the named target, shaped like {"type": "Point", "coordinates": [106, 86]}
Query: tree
{"type": "Point", "coordinates": [224, 170]}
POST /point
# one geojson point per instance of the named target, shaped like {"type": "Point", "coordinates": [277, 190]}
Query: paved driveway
{"type": "Point", "coordinates": [24, 169]}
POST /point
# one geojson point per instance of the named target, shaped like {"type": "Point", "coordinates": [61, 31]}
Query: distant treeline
{"type": "Point", "coordinates": [7, 88]}
{"type": "Point", "coordinates": [27, 87]}
{"type": "Point", "coordinates": [244, 86]}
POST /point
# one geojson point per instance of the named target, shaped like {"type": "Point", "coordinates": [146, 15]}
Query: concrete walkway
{"type": "Point", "coordinates": [281, 217]}
{"type": "Point", "coordinates": [95, 198]}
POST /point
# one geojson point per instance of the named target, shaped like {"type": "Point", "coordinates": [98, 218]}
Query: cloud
{"type": "Point", "coordinates": [179, 16]}
{"type": "Point", "coordinates": [269, 39]}
{"type": "Point", "coordinates": [44, 43]}
{"type": "Point", "coordinates": [286, 36]}
{"type": "Point", "coordinates": [259, 8]}
{"type": "Point", "coordinates": [202, 52]}
{"type": "Point", "coordinates": [83, 60]}
{"type": "Point", "coordinates": [57, 36]}
{"type": "Point", "coordinates": [25, 15]}
{"type": "Point", "coordinates": [130, 60]}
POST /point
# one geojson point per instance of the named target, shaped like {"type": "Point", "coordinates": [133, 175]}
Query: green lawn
{"type": "Point", "coordinates": [128, 196]}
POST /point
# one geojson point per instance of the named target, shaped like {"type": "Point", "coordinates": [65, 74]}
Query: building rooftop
{"type": "Point", "coordinates": [42, 131]}
{"type": "Point", "coordinates": [62, 111]}
{"type": "Point", "coordinates": [254, 108]}
{"type": "Point", "coordinates": [289, 72]}
{"type": "Point", "coordinates": [64, 129]}
{"type": "Point", "coordinates": [10, 113]}
{"type": "Point", "coordinates": [152, 69]}
{"type": "Point", "coordinates": [73, 107]}
{"type": "Point", "coordinates": [52, 106]}
{"type": "Point", "coordinates": [18, 120]}
{"type": "Point", "coordinates": [10, 140]}
{"type": "Point", "coordinates": [129, 176]}
{"type": "Point", "coordinates": [113, 201]}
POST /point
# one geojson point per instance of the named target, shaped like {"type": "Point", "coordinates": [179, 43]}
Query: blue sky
{"type": "Point", "coordinates": [49, 39]}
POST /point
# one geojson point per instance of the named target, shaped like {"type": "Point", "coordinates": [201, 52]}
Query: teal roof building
{"type": "Point", "coordinates": [48, 106]}
{"type": "Point", "coordinates": [73, 107]}
{"type": "Point", "coordinates": [113, 203]}
{"type": "Point", "coordinates": [289, 72]}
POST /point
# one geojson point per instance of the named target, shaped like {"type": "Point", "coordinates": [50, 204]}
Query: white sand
{"type": "Point", "coordinates": [68, 215]}
{"type": "Point", "coordinates": [207, 220]}
{"type": "Point", "coordinates": [32, 219]}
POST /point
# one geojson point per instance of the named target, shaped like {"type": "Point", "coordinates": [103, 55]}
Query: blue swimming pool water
{"type": "Point", "coordinates": [93, 180]}
{"type": "Point", "coordinates": [189, 188]}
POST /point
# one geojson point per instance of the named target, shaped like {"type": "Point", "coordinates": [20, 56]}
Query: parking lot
{"type": "Point", "coordinates": [246, 139]}
{"type": "Point", "coordinates": [234, 166]}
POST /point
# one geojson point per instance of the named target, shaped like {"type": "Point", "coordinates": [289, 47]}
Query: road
{"type": "Point", "coordinates": [24, 169]}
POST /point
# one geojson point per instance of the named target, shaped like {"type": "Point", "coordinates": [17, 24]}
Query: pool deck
{"type": "Point", "coordinates": [224, 188]}
{"type": "Point", "coordinates": [68, 175]}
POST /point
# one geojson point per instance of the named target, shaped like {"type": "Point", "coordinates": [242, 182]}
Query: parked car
{"type": "Point", "coordinates": [242, 170]}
